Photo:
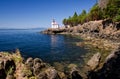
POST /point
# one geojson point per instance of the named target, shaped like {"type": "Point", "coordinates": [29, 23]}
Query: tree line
{"type": "Point", "coordinates": [111, 11]}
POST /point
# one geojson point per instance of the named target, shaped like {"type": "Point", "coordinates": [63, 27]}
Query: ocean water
{"type": "Point", "coordinates": [50, 48]}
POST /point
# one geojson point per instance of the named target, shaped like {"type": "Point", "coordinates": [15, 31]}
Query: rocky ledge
{"type": "Point", "coordinates": [13, 66]}
{"type": "Point", "coordinates": [110, 68]}
{"type": "Point", "coordinates": [100, 29]}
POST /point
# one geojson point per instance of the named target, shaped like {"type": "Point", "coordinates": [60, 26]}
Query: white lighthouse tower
{"type": "Point", "coordinates": [54, 24]}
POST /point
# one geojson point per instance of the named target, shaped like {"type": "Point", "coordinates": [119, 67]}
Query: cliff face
{"type": "Point", "coordinates": [103, 3]}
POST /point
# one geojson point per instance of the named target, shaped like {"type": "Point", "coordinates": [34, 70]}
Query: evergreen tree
{"type": "Point", "coordinates": [82, 17]}
{"type": "Point", "coordinates": [65, 21]}
{"type": "Point", "coordinates": [75, 15]}
{"type": "Point", "coordinates": [112, 11]}
{"type": "Point", "coordinates": [95, 13]}
{"type": "Point", "coordinates": [75, 19]}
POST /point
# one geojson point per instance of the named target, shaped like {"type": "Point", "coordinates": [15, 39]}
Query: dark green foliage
{"type": "Point", "coordinates": [65, 21]}
{"type": "Point", "coordinates": [82, 17]}
{"type": "Point", "coordinates": [117, 18]}
{"type": "Point", "coordinates": [72, 21]}
{"type": "Point", "coordinates": [111, 11]}
{"type": "Point", "coordinates": [75, 15]}
{"type": "Point", "coordinates": [95, 13]}
{"type": "Point", "coordinates": [75, 19]}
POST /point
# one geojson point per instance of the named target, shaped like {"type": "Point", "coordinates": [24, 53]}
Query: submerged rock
{"type": "Point", "coordinates": [94, 61]}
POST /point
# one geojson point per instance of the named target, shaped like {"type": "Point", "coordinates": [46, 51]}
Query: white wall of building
{"type": "Point", "coordinates": [54, 25]}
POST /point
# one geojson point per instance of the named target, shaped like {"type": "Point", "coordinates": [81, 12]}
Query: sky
{"type": "Point", "coordinates": [22, 14]}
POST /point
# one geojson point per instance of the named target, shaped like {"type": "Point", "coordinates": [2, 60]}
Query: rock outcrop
{"type": "Point", "coordinates": [100, 29]}
{"type": "Point", "coordinates": [12, 66]}
{"type": "Point", "coordinates": [103, 34]}
{"type": "Point", "coordinates": [41, 70]}
{"type": "Point", "coordinates": [54, 31]}
{"type": "Point", "coordinates": [103, 3]}
{"type": "Point", "coordinates": [94, 61]}
{"type": "Point", "coordinates": [110, 69]}
{"type": "Point", "coordinates": [7, 66]}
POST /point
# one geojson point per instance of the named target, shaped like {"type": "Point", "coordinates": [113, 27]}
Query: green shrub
{"type": "Point", "coordinates": [117, 18]}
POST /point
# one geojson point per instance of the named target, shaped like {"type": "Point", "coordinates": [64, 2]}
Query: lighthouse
{"type": "Point", "coordinates": [54, 24]}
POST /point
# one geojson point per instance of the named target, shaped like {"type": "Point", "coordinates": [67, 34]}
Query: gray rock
{"type": "Point", "coordinates": [37, 60]}
{"type": "Point", "coordinates": [36, 71]}
{"type": "Point", "coordinates": [103, 3]}
{"type": "Point", "coordinates": [94, 61]}
{"type": "Point", "coordinates": [110, 69]}
{"type": "Point", "coordinates": [52, 73]}
{"type": "Point", "coordinates": [42, 75]}
{"type": "Point", "coordinates": [10, 77]}
{"type": "Point", "coordinates": [29, 62]}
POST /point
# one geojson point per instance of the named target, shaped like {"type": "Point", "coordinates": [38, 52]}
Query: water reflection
{"type": "Point", "coordinates": [57, 44]}
{"type": "Point", "coordinates": [50, 48]}
{"type": "Point", "coordinates": [54, 40]}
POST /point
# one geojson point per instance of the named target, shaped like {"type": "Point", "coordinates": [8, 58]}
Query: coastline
{"type": "Point", "coordinates": [102, 35]}
{"type": "Point", "coordinates": [14, 66]}
{"type": "Point", "coordinates": [96, 63]}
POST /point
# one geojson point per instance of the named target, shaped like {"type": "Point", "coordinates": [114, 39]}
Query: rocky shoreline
{"type": "Point", "coordinates": [104, 29]}
{"type": "Point", "coordinates": [100, 34]}
{"type": "Point", "coordinates": [103, 35]}
{"type": "Point", "coordinates": [13, 66]}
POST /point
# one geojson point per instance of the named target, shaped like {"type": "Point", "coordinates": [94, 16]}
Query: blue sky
{"type": "Point", "coordinates": [39, 13]}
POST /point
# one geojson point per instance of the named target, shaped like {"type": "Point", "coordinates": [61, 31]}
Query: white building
{"type": "Point", "coordinates": [54, 24]}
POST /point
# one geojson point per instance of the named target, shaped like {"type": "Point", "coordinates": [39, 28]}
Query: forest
{"type": "Point", "coordinates": [111, 11]}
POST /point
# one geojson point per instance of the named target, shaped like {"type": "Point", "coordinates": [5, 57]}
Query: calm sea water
{"type": "Point", "coordinates": [50, 48]}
